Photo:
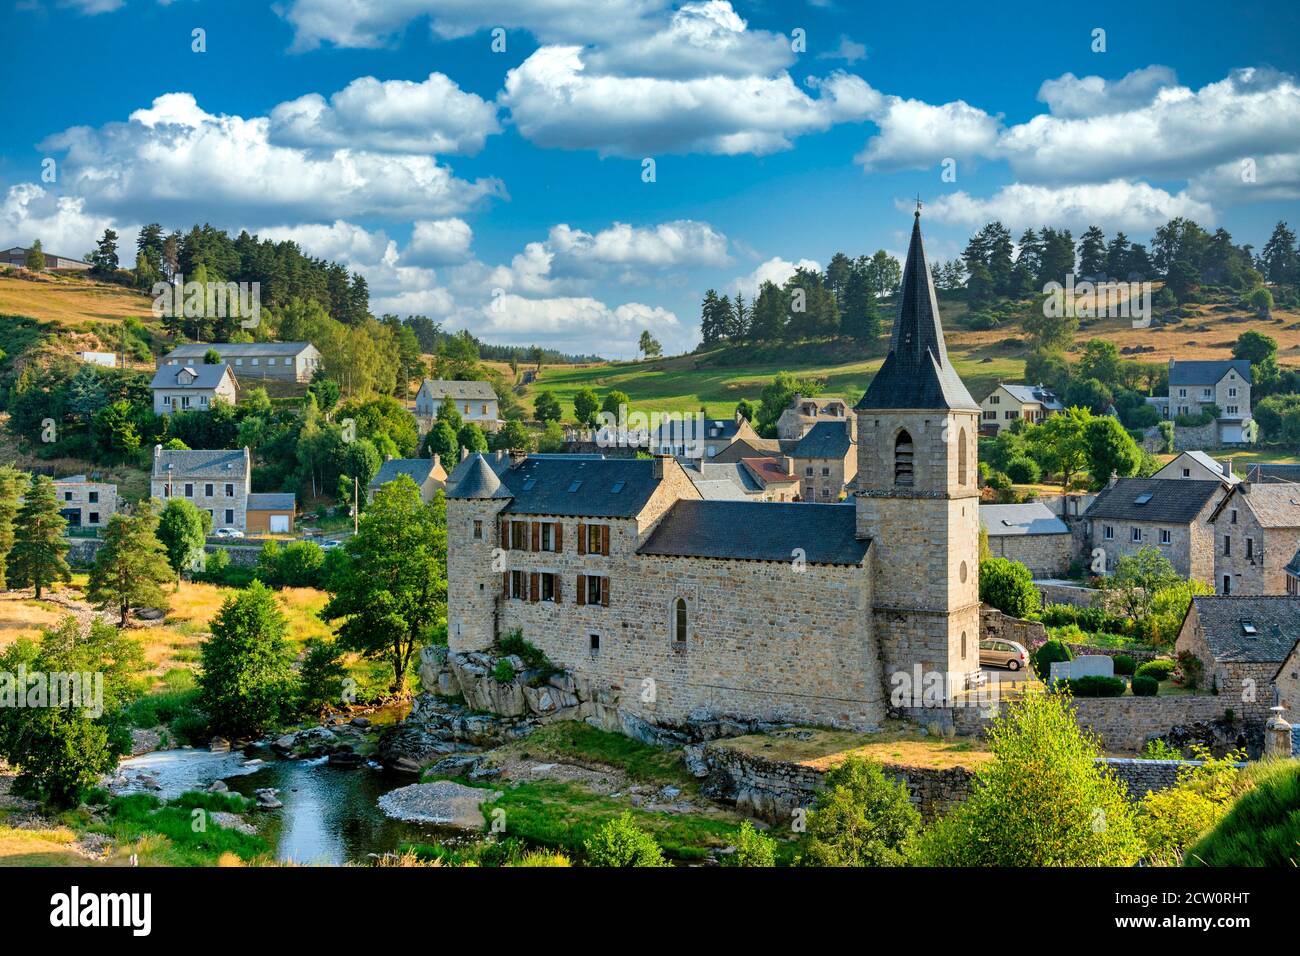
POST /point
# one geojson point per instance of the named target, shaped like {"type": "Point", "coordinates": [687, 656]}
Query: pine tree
{"type": "Point", "coordinates": [1092, 253]}
{"type": "Point", "coordinates": [11, 483]}
{"type": "Point", "coordinates": [1279, 258]}
{"type": "Point", "coordinates": [1118, 257]}
{"type": "Point", "coordinates": [131, 567]}
{"type": "Point", "coordinates": [36, 559]}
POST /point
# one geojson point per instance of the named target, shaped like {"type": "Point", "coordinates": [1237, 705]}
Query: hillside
{"type": "Point", "coordinates": [71, 302]}
{"type": "Point", "coordinates": [719, 379]}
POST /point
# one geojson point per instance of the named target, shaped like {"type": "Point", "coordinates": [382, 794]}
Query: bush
{"type": "Point", "coordinates": [1144, 686]}
{"type": "Point", "coordinates": [1172, 820]}
{"type": "Point", "coordinates": [752, 848]}
{"type": "Point", "coordinates": [503, 671]}
{"type": "Point", "coordinates": [621, 843]}
{"type": "Point", "coordinates": [295, 565]}
{"type": "Point", "coordinates": [534, 658]}
{"type": "Point", "coordinates": [1160, 668]}
{"type": "Point", "coordinates": [1008, 586]}
{"type": "Point", "coordinates": [1190, 670]}
{"type": "Point", "coordinates": [1262, 828]}
{"type": "Point", "coordinates": [1050, 651]}
{"type": "Point", "coordinates": [1024, 471]}
{"type": "Point", "coordinates": [1124, 665]}
{"type": "Point", "coordinates": [320, 677]}
{"type": "Point", "coordinates": [1092, 686]}
{"type": "Point", "coordinates": [246, 684]}
{"type": "Point", "coordinates": [860, 818]}
{"type": "Point", "coordinates": [1159, 749]}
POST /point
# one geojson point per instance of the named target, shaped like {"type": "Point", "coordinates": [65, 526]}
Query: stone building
{"type": "Point", "coordinates": [1198, 386]}
{"type": "Point", "coordinates": [1243, 644]}
{"type": "Point", "coordinates": [475, 402]}
{"type": "Point", "coordinates": [427, 473]}
{"type": "Point", "coordinates": [671, 605]}
{"type": "Point", "coordinates": [825, 461]}
{"type": "Point", "coordinates": [798, 418]}
{"type": "Point", "coordinates": [1198, 466]}
{"type": "Point", "coordinates": [1031, 534]}
{"type": "Point", "coordinates": [1286, 680]}
{"type": "Point", "coordinates": [283, 361]}
{"type": "Point", "coordinates": [1172, 515]}
{"type": "Point", "coordinates": [1007, 403]}
{"type": "Point", "coordinates": [697, 437]}
{"type": "Point", "coordinates": [216, 481]}
{"type": "Point", "coordinates": [1256, 533]}
{"type": "Point", "coordinates": [186, 388]}
{"type": "Point", "coordinates": [84, 503]}
{"type": "Point", "coordinates": [774, 476]}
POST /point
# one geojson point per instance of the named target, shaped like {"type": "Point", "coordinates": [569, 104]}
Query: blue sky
{"type": "Point", "coordinates": [503, 191]}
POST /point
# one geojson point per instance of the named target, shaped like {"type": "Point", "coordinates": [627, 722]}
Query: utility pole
{"type": "Point", "coordinates": [356, 511]}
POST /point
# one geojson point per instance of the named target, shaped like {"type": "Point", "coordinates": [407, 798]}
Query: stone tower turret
{"type": "Point", "coordinates": [474, 579]}
{"type": "Point", "coordinates": [916, 493]}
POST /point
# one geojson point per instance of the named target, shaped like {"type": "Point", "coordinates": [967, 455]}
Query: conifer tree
{"type": "Point", "coordinates": [37, 556]}
{"type": "Point", "coordinates": [132, 566]}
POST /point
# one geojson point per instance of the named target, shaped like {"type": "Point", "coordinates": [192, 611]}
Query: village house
{"type": "Point", "coordinates": [1198, 466]}
{"type": "Point", "coordinates": [1270, 472]}
{"type": "Point", "coordinates": [1243, 644]}
{"type": "Point", "coordinates": [803, 413]}
{"type": "Point", "coordinates": [1171, 515]}
{"type": "Point", "coordinates": [84, 503]}
{"type": "Point", "coordinates": [1286, 681]}
{"type": "Point", "coordinates": [699, 438]}
{"type": "Point", "coordinates": [774, 475]}
{"type": "Point", "coordinates": [220, 482]}
{"type": "Point", "coordinates": [17, 256]}
{"type": "Point", "coordinates": [668, 604]}
{"type": "Point", "coordinates": [282, 361]}
{"type": "Point", "coordinates": [1031, 534]}
{"type": "Point", "coordinates": [184, 388]}
{"type": "Point", "coordinates": [1198, 386]}
{"type": "Point", "coordinates": [1256, 532]}
{"type": "Point", "coordinates": [1009, 403]}
{"type": "Point", "coordinates": [754, 448]}
{"type": "Point", "coordinates": [1292, 572]}
{"type": "Point", "coordinates": [730, 481]}
{"type": "Point", "coordinates": [825, 460]}
{"type": "Point", "coordinates": [427, 473]}
{"type": "Point", "coordinates": [475, 402]}
{"type": "Point", "coordinates": [270, 512]}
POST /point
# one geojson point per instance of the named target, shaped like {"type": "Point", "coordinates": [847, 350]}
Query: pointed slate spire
{"type": "Point", "coordinates": [479, 481]}
{"type": "Point", "coordinates": [917, 373]}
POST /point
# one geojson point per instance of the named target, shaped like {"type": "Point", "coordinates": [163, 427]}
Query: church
{"type": "Point", "coordinates": [670, 605]}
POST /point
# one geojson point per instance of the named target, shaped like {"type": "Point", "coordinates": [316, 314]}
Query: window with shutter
{"type": "Point", "coordinates": [604, 539]}
{"type": "Point", "coordinates": [559, 536]}
{"type": "Point", "coordinates": [582, 538]}
{"type": "Point", "coordinates": [537, 535]}
{"type": "Point", "coordinates": [533, 590]}
{"type": "Point", "coordinates": [582, 588]}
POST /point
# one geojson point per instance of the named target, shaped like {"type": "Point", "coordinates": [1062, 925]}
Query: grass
{"type": "Point", "coordinates": [581, 743]}
{"type": "Point", "coordinates": [899, 743]}
{"type": "Point", "coordinates": [1263, 826]}
{"type": "Point", "coordinates": [164, 833]}
{"type": "Point", "coordinates": [73, 301]}
{"type": "Point", "coordinates": [43, 847]}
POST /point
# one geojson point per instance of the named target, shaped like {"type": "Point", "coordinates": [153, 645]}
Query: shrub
{"type": "Point", "coordinates": [246, 682]}
{"type": "Point", "coordinates": [1159, 749]}
{"type": "Point", "coordinates": [1008, 586]}
{"type": "Point", "coordinates": [320, 677]}
{"type": "Point", "coordinates": [1144, 686]}
{"type": "Point", "coordinates": [1050, 651]}
{"type": "Point", "coordinates": [1172, 820]}
{"type": "Point", "coordinates": [621, 843]}
{"type": "Point", "coordinates": [860, 818]}
{"type": "Point", "coordinates": [534, 658]}
{"type": "Point", "coordinates": [1262, 828]}
{"type": "Point", "coordinates": [1190, 670]}
{"type": "Point", "coordinates": [752, 848]}
{"type": "Point", "coordinates": [1045, 764]}
{"type": "Point", "coordinates": [1024, 471]}
{"type": "Point", "coordinates": [1160, 668]}
{"type": "Point", "coordinates": [1124, 665]}
{"type": "Point", "coordinates": [503, 671]}
{"type": "Point", "coordinates": [1093, 685]}
{"type": "Point", "coordinates": [295, 565]}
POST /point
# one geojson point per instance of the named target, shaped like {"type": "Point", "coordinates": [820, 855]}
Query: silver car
{"type": "Point", "coordinates": [999, 653]}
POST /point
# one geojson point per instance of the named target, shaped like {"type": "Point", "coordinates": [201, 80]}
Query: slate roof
{"type": "Point", "coordinates": [1034, 518]}
{"type": "Point", "coordinates": [499, 462]}
{"type": "Point", "coordinates": [1275, 505]}
{"type": "Point", "coordinates": [478, 480]}
{"type": "Point", "coordinates": [1173, 500]}
{"type": "Point", "coordinates": [1205, 461]}
{"type": "Point", "coordinates": [1276, 619]}
{"type": "Point", "coordinates": [693, 429]}
{"type": "Point", "coordinates": [1266, 472]}
{"type": "Point", "coordinates": [200, 463]}
{"type": "Point", "coordinates": [916, 373]}
{"type": "Point", "coordinates": [580, 486]}
{"type": "Point", "coordinates": [1294, 566]}
{"type": "Point", "coordinates": [1028, 394]}
{"type": "Point", "coordinates": [713, 474]}
{"type": "Point", "coordinates": [476, 391]}
{"type": "Point", "coordinates": [759, 531]}
{"type": "Point", "coordinates": [272, 501]}
{"type": "Point", "coordinates": [752, 448]}
{"type": "Point", "coordinates": [824, 440]}
{"type": "Point", "coordinates": [1202, 372]}
{"type": "Point", "coordinates": [236, 349]}
{"type": "Point", "coordinates": [205, 376]}
{"type": "Point", "coordinates": [417, 469]}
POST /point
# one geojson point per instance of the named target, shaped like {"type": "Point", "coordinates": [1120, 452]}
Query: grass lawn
{"type": "Point", "coordinates": [898, 743]}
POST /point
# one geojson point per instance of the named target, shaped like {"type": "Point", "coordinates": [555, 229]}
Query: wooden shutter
{"type": "Point", "coordinates": [604, 539]}
{"type": "Point", "coordinates": [555, 583]}
{"type": "Point", "coordinates": [582, 589]}
{"type": "Point", "coordinates": [582, 538]}
{"type": "Point", "coordinates": [559, 536]}
{"type": "Point", "coordinates": [604, 591]}
{"type": "Point", "coordinates": [505, 583]}
{"type": "Point", "coordinates": [537, 535]}
{"type": "Point", "coordinates": [505, 535]}
{"type": "Point", "coordinates": [534, 586]}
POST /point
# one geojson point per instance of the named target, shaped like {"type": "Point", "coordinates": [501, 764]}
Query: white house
{"type": "Point", "coordinates": [475, 402]}
{"type": "Point", "coordinates": [183, 388]}
{"type": "Point", "coordinates": [1197, 386]}
{"type": "Point", "coordinates": [1008, 402]}
{"type": "Point", "coordinates": [1198, 466]}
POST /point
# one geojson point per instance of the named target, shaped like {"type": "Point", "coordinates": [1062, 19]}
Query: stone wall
{"type": "Point", "coordinates": [1261, 570]}
{"type": "Point", "coordinates": [1191, 439]}
{"type": "Point", "coordinates": [1190, 549]}
{"type": "Point", "coordinates": [995, 624]}
{"type": "Point", "coordinates": [1138, 776]}
{"type": "Point", "coordinates": [1059, 593]}
{"type": "Point", "coordinates": [1125, 724]}
{"type": "Point", "coordinates": [1045, 555]}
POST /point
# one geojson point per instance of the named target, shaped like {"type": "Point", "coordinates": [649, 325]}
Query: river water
{"type": "Point", "coordinates": [330, 816]}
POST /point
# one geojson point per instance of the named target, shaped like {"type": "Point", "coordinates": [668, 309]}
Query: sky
{"type": "Point", "coordinates": [572, 173]}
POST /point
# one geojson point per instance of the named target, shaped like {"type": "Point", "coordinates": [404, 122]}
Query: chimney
{"type": "Point", "coordinates": [1114, 479]}
{"type": "Point", "coordinates": [464, 453]}
{"type": "Point", "coordinates": [657, 469]}
{"type": "Point", "coordinates": [501, 453]}
{"type": "Point", "coordinates": [787, 464]}
{"type": "Point", "coordinates": [437, 460]}
{"type": "Point", "coordinates": [157, 452]}
{"type": "Point", "coordinates": [1227, 468]}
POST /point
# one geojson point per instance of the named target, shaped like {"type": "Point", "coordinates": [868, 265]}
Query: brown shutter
{"type": "Point", "coordinates": [604, 591]}
{"type": "Point", "coordinates": [534, 589]}
{"type": "Point", "coordinates": [537, 535]}
{"type": "Point", "coordinates": [505, 584]}
{"type": "Point", "coordinates": [556, 579]}
{"type": "Point", "coordinates": [582, 538]}
{"type": "Point", "coordinates": [505, 535]}
{"type": "Point", "coordinates": [604, 539]}
{"type": "Point", "coordinates": [559, 536]}
{"type": "Point", "coordinates": [582, 589]}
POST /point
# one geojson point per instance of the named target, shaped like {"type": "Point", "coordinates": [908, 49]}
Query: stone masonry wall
{"type": "Point", "coordinates": [1045, 555]}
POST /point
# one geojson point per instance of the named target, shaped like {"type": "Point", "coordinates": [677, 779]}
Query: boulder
{"type": "Point", "coordinates": [443, 802]}
{"type": "Point", "coordinates": [219, 745]}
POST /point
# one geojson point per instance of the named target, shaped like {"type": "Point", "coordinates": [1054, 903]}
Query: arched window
{"type": "Point", "coordinates": [903, 459]}
{"type": "Point", "coordinates": [961, 458]}
{"type": "Point", "coordinates": [679, 621]}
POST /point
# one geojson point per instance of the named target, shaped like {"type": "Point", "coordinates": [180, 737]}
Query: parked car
{"type": "Point", "coordinates": [1000, 653]}
{"type": "Point", "coordinates": [331, 544]}
{"type": "Point", "coordinates": [227, 533]}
